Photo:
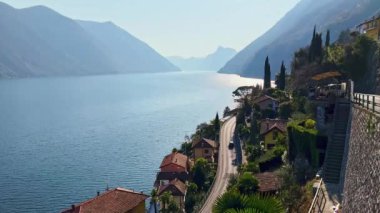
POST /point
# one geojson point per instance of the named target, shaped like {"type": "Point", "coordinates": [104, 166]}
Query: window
{"type": "Point", "coordinates": [206, 151]}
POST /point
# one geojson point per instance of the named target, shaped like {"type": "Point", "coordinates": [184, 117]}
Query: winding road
{"type": "Point", "coordinates": [225, 167]}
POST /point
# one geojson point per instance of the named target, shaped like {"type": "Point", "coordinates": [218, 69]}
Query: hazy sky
{"type": "Point", "coordinates": [178, 27]}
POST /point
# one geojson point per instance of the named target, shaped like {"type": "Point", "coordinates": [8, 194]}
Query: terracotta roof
{"type": "Point", "coordinates": [204, 142]}
{"type": "Point", "coordinates": [175, 158]}
{"type": "Point", "coordinates": [263, 98]}
{"type": "Point", "coordinates": [176, 187]}
{"type": "Point", "coordinates": [268, 181]}
{"type": "Point", "coordinates": [326, 75]}
{"type": "Point", "coordinates": [268, 125]}
{"type": "Point", "coordinates": [118, 200]}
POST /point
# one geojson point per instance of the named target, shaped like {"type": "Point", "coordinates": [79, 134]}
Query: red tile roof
{"type": "Point", "coordinates": [118, 200]}
{"type": "Point", "coordinates": [268, 125]}
{"type": "Point", "coordinates": [176, 187]}
{"type": "Point", "coordinates": [204, 143]}
{"type": "Point", "coordinates": [175, 158]}
{"type": "Point", "coordinates": [268, 182]}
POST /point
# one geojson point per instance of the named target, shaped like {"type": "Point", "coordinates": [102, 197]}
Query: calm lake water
{"type": "Point", "coordinates": [64, 139]}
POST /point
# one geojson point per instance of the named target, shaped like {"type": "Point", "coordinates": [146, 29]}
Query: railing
{"type": "Point", "coordinates": [367, 101]}
{"type": "Point", "coordinates": [319, 200]}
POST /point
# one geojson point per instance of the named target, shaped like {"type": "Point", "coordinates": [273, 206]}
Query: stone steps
{"type": "Point", "coordinates": [335, 148]}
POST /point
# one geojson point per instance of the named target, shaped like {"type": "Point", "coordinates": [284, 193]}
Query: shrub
{"type": "Point", "coordinates": [269, 160]}
{"type": "Point", "coordinates": [278, 151]}
{"type": "Point", "coordinates": [247, 184]}
{"type": "Point", "coordinates": [310, 124]}
{"type": "Point", "coordinates": [303, 141]}
{"type": "Point", "coordinates": [252, 167]}
{"type": "Point", "coordinates": [285, 110]}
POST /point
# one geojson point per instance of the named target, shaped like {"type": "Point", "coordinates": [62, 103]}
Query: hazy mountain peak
{"type": "Point", "coordinates": [213, 61]}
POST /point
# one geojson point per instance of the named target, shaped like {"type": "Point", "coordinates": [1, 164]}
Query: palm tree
{"type": "Point", "coordinates": [233, 202]}
{"type": "Point", "coordinates": [154, 195]}
{"type": "Point", "coordinates": [165, 199]}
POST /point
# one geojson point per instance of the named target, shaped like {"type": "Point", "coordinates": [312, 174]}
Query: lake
{"type": "Point", "coordinates": [63, 139]}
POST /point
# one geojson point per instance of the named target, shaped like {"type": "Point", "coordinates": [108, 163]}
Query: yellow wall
{"type": "Point", "coordinates": [373, 32]}
{"type": "Point", "coordinates": [200, 153]}
{"type": "Point", "coordinates": [138, 209]}
{"type": "Point", "coordinates": [268, 138]}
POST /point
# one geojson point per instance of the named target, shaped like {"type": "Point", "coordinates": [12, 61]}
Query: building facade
{"type": "Point", "coordinates": [205, 148]}
{"type": "Point", "coordinates": [371, 28]}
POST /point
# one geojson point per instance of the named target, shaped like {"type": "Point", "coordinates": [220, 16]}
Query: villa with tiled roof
{"type": "Point", "coordinates": [266, 102]}
{"type": "Point", "coordinates": [204, 148]}
{"type": "Point", "coordinates": [271, 129]}
{"type": "Point", "coordinates": [177, 189]}
{"type": "Point", "coordinates": [117, 200]}
{"type": "Point", "coordinates": [175, 162]}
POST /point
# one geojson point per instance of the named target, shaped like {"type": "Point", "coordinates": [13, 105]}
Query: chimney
{"type": "Point", "coordinates": [98, 193]}
{"type": "Point", "coordinates": [72, 207]}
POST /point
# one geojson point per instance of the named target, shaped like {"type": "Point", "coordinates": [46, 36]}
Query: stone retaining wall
{"type": "Point", "coordinates": [362, 181]}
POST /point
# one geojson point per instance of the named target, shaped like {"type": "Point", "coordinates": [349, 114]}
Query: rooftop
{"type": "Point", "coordinates": [204, 141]}
{"type": "Point", "coordinates": [112, 201]}
{"type": "Point", "coordinates": [264, 98]}
{"type": "Point", "coordinates": [268, 181]}
{"type": "Point", "coordinates": [176, 158]}
{"type": "Point", "coordinates": [176, 187]}
{"type": "Point", "coordinates": [268, 125]}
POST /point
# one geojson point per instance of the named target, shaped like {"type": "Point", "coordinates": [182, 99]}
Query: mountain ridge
{"type": "Point", "coordinates": [294, 31]}
{"type": "Point", "coordinates": [37, 41]}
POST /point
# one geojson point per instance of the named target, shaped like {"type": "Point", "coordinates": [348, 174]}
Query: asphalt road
{"type": "Point", "coordinates": [225, 167]}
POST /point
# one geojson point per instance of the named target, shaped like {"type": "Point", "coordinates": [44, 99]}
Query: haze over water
{"type": "Point", "coordinates": [64, 139]}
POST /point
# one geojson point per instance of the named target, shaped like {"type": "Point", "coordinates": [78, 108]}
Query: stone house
{"type": "Point", "coordinates": [205, 148]}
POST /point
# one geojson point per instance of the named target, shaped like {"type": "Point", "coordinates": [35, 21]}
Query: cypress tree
{"type": "Point", "coordinates": [217, 126]}
{"type": "Point", "coordinates": [327, 42]}
{"type": "Point", "coordinates": [313, 45]}
{"type": "Point", "coordinates": [319, 47]}
{"type": "Point", "coordinates": [267, 74]}
{"type": "Point", "coordinates": [281, 77]}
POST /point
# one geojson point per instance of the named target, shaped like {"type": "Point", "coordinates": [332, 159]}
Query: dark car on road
{"type": "Point", "coordinates": [231, 145]}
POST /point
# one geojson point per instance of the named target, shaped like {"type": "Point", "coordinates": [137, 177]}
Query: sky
{"type": "Point", "coordinates": [187, 28]}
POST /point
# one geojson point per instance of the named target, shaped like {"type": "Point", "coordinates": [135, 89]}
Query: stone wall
{"type": "Point", "coordinates": [362, 181]}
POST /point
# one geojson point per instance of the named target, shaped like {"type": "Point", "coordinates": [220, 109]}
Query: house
{"type": "Point", "coordinates": [175, 162]}
{"type": "Point", "coordinates": [271, 129]}
{"type": "Point", "coordinates": [205, 148]}
{"type": "Point", "coordinates": [115, 200]}
{"type": "Point", "coordinates": [269, 183]}
{"type": "Point", "coordinates": [267, 102]}
{"type": "Point", "coordinates": [177, 189]}
{"type": "Point", "coordinates": [371, 27]}
{"type": "Point", "coordinates": [173, 166]}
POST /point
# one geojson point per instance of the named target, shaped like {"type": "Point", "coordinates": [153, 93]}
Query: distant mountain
{"type": "Point", "coordinates": [294, 31]}
{"type": "Point", "coordinates": [37, 41]}
{"type": "Point", "coordinates": [126, 53]}
{"type": "Point", "coordinates": [213, 61]}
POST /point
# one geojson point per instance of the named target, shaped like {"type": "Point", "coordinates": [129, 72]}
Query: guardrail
{"type": "Point", "coordinates": [319, 200]}
{"type": "Point", "coordinates": [367, 101]}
